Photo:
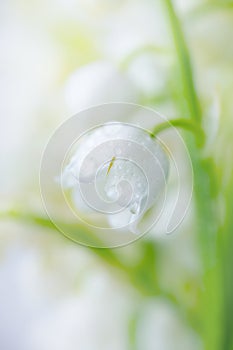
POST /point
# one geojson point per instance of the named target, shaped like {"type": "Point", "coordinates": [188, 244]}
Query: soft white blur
{"type": "Point", "coordinates": [58, 57]}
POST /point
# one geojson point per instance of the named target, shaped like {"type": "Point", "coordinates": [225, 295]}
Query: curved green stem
{"type": "Point", "coordinates": [141, 276]}
{"type": "Point", "coordinates": [185, 63]}
{"type": "Point", "coordinates": [184, 124]}
{"type": "Point", "coordinates": [205, 190]}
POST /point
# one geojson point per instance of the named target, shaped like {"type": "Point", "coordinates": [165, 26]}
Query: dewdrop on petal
{"type": "Point", "coordinates": [126, 165]}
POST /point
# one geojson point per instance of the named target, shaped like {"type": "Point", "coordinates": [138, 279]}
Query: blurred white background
{"type": "Point", "coordinates": [58, 57]}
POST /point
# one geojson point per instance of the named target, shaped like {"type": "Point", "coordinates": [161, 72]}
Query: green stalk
{"type": "Point", "coordinates": [205, 190]}
{"type": "Point", "coordinates": [185, 63]}
{"type": "Point", "coordinates": [204, 171]}
{"type": "Point", "coordinates": [141, 276]}
{"type": "Point", "coordinates": [183, 124]}
{"type": "Point", "coordinates": [226, 246]}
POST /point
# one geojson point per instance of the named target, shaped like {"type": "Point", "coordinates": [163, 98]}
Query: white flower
{"type": "Point", "coordinates": [97, 83]}
{"type": "Point", "coordinates": [118, 170]}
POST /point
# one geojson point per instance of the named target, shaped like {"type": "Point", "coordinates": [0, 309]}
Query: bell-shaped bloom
{"type": "Point", "coordinates": [97, 83]}
{"type": "Point", "coordinates": [118, 170]}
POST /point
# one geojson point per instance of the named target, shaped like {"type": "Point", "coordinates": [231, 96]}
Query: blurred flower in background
{"type": "Point", "coordinates": [161, 292]}
{"type": "Point", "coordinates": [97, 83]}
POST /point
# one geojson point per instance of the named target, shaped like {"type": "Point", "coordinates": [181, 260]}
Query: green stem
{"type": "Point", "coordinates": [205, 189]}
{"type": "Point", "coordinates": [145, 282]}
{"type": "Point", "coordinates": [184, 124]}
{"type": "Point", "coordinates": [226, 262]}
{"type": "Point", "coordinates": [142, 275]}
{"type": "Point", "coordinates": [185, 63]}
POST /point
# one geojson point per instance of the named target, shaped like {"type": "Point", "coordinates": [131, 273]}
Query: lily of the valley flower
{"type": "Point", "coordinates": [118, 170]}
{"type": "Point", "coordinates": [89, 86]}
